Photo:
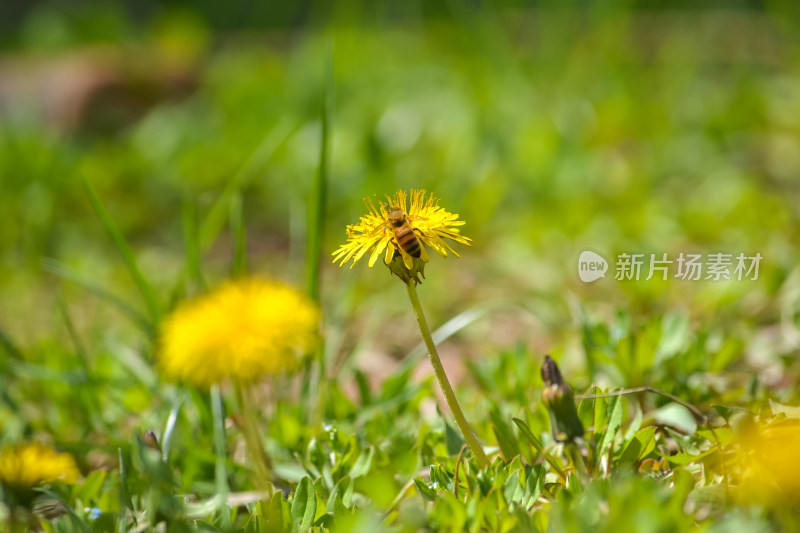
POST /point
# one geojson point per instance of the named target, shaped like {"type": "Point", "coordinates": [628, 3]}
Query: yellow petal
{"type": "Point", "coordinates": [379, 248]}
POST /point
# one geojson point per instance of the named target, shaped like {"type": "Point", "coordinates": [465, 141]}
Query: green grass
{"type": "Point", "coordinates": [549, 132]}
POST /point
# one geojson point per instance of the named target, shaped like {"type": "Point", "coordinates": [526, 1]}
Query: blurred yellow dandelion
{"type": "Point", "coordinates": [401, 226]}
{"type": "Point", "coordinates": [26, 466]}
{"type": "Point", "coordinates": [241, 331]}
{"type": "Point", "coordinates": [769, 459]}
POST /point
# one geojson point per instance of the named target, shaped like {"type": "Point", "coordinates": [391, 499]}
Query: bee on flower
{"type": "Point", "coordinates": [400, 229]}
{"type": "Point", "coordinates": [241, 331]}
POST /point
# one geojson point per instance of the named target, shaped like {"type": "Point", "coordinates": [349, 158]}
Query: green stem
{"type": "Point", "coordinates": [220, 450]}
{"type": "Point", "coordinates": [252, 438]}
{"type": "Point", "coordinates": [444, 383]}
{"type": "Point", "coordinates": [574, 453]}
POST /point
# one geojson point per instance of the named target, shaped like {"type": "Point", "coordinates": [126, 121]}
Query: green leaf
{"type": "Point", "coordinates": [513, 490]}
{"type": "Point", "coordinates": [677, 416]}
{"type": "Point", "coordinates": [728, 353]}
{"type": "Point", "coordinates": [339, 507]}
{"type": "Point", "coordinates": [274, 513]}
{"type": "Point", "coordinates": [725, 435]}
{"type": "Point", "coordinates": [424, 490]}
{"type": "Point", "coordinates": [452, 439]}
{"type": "Point", "coordinates": [204, 525]}
{"type": "Point", "coordinates": [491, 507]}
{"type": "Point", "coordinates": [441, 477]}
{"type": "Point", "coordinates": [601, 413]}
{"type": "Point", "coordinates": [586, 408]}
{"type": "Point", "coordinates": [729, 412]}
{"type": "Point", "coordinates": [363, 387]}
{"type": "Point", "coordinates": [509, 446]}
{"type": "Point", "coordinates": [526, 431]}
{"type": "Point", "coordinates": [534, 483]}
{"type": "Point", "coordinates": [789, 411]}
{"type": "Point", "coordinates": [682, 483]}
{"type": "Point", "coordinates": [363, 464]}
{"type": "Point", "coordinates": [614, 422]}
{"type": "Point", "coordinates": [683, 458]}
{"type": "Point", "coordinates": [636, 423]}
{"type": "Point", "coordinates": [324, 521]}
{"type": "Point", "coordinates": [90, 489]}
{"type": "Point", "coordinates": [640, 445]}
{"type": "Point", "coordinates": [343, 490]}
{"type": "Point", "coordinates": [674, 336]}
{"type": "Point", "coordinates": [304, 504]}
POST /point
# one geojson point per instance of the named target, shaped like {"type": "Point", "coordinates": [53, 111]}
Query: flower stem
{"type": "Point", "coordinates": [444, 383]}
{"type": "Point", "coordinates": [220, 450]}
{"type": "Point", "coordinates": [255, 445]}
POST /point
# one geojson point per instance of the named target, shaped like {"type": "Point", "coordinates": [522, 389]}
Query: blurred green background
{"type": "Point", "coordinates": [638, 127]}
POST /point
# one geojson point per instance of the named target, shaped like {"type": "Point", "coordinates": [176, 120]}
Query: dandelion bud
{"type": "Point", "coordinates": [560, 402]}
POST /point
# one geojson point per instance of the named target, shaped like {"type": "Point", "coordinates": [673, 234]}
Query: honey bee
{"type": "Point", "coordinates": [404, 235]}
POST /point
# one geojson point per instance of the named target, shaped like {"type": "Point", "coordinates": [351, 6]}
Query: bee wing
{"type": "Point", "coordinates": [379, 229]}
{"type": "Point", "coordinates": [407, 259]}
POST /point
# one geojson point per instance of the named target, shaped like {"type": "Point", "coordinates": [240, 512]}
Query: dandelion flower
{"type": "Point", "coordinates": [402, 228]}
{"type": "Point", "coordinates": [26, 466]}
{"type": "Point", "coordinates": [770, 464]}
{"type": "Point", "coordinates": [241, 331]}
{"type": "Point", "coordinates": [378, 230]}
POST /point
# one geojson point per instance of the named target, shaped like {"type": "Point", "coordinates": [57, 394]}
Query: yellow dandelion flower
{"type": "Point", "coordinates": [26, 466]}
{"type": "Point", "coordinates": [401, 226]}
{"type": "Point", "coordinates": [770, 464]}
{"type": "Point", "coordinates": [241, 331]}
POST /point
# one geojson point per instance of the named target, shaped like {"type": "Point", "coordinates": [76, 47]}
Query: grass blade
{"type": "Point", "coordinates": [319, 192]}
{"type": "Point", "coordinates": [219, 213]}
{"type": "Point", "coordinates": [239, 267]}
{"type": "Point", "coordinates": [315, 228]}
{"type": "Point", "coordinates": [75, 520]}
{"type": "Point", "coordinates": [79, 348]}
{"type": "Point", "coordinates": [125, 502]}
{"type": "Point", "coordinates": [192, 243]}
{"type": "Point", "coordinates": [169, 430]}
{"type": "Point", "coordinates": [61, 270]}
{"type": "Point", "coordinates": [528, 434]}
{"type": "Point", "coordinates": [10, 347]}
{"type": "Point", "coordinates": [149, 295]}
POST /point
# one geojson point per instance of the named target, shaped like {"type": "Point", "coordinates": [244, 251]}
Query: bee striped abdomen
{"type": "Point", "coordinates": [407, 240]}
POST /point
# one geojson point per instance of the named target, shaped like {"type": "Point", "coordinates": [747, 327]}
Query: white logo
{"type": "Point", "coordinates": [591, 266]}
